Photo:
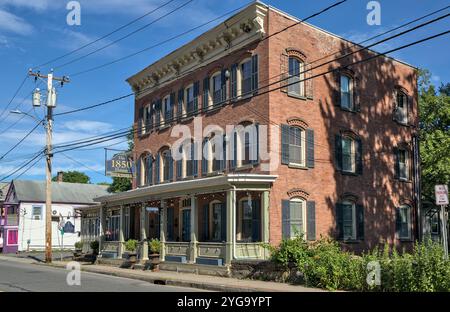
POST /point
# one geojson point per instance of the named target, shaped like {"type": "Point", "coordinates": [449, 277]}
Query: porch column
{"type": "Point", "coordinates": [194, 230]}
{"type": "Point", "coordinates": [101, 237]}
{"type": "Point", "coordinates": [121, 236]}
{"type": "Point", "coordinates": [231, 194]}
{"type": "Point", "coordinates": [162, 229]}
{"type": "Point", "coordinates": [144, 251]}
{"type": "Point", "coordinates": [265, 221]}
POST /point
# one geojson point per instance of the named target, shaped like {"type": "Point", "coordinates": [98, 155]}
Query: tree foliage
{"type": "Point", "coordinates": [74, 177]}
{"type": "Point", "coordinates": [120, 185]}
{"type": "Point", "coordinates": [434, 114]}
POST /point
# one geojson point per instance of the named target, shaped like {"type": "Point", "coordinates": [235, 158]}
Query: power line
{"type": "Point", "coordinates": [104, 36]}
{"type": "Point", "coordinates": [124, 37]}
{"type": "Point", "coordinates": [21, 140]}
{"type": "Point", "coordinates": [83, 165]}
{"type": "Point", "coordinates": [23, 166]}
{"type": "Point", "coordinates": [14, 96]}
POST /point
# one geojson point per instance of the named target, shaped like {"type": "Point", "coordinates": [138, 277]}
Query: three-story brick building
{"type": "Point", "coordinates": [275, 149]}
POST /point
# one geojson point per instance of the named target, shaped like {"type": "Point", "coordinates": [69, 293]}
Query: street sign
{"type": "Point", "coordinates": [121, 165]}
{"type": "Point", "coordinates": [441, 193]}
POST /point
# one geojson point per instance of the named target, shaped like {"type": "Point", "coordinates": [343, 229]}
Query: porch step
{"type": "Point", "coordinates": [194, 268]}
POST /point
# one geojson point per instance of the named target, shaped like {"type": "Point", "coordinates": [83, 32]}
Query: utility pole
{"type": "Point", "coordinates": [51, 103]}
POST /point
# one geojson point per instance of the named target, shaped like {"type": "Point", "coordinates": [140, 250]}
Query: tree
{"type": "Point", "coordinates": [119, 185]}
{"type": "Point", "coordinates": [74, 177]}
{"type": "Point", "coordinates": [434, 114]}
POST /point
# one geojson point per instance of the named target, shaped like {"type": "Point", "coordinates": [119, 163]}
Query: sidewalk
{"type": "Point", "coordinates": [212, 283]}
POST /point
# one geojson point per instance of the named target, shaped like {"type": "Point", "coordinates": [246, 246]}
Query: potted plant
{"type": "Point", "coordinates": [78, 249]}
{"type": "Point", "coordinates": [94, 246]}
{"type": "Point", "coordinates": [155, 249]}
{"type": "Point", "coordinates": [131, 246]}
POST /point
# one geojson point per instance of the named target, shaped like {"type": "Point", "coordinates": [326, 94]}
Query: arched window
{"type": "Point", "coordinates": [349, 220]}
{"type": "Point", "coordinates": [349, 153]}
{"type": "Point", "coordinates": [297, 146]}
{"type": "Point", "coordinates": [166, 167]}
{"type": "Point", "coordinates": [402, 163]}
{"type": "Point", "coordinates": [146, 169]}
{"type": "Point", "coordinates": [403, 222]}
{"type": "Point", "coordinates": [401, 109]}
{"type": "Point", "coordinates": [296, 83]}
{"type": "Point", "coordinates": [346, 87]}
{"type": "Point", "coordinates": [293, 217]}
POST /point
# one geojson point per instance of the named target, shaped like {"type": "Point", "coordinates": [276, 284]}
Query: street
{"type": "Point", "coordinates": [28, 277]}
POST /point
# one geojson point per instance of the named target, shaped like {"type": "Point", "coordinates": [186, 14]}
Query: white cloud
{"type": "Point", "coordinates": [88, 126]}
{"type": "Point", "coordinates": [12, 23]}
{"type": "Point", "coordinates": [38, 5]}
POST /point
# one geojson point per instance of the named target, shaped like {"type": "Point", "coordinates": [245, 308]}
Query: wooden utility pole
{"type": "Point", "coordinates": [51, 103]}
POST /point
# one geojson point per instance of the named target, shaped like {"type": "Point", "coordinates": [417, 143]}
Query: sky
{"type": "Point", "coordinates": [33, 32]}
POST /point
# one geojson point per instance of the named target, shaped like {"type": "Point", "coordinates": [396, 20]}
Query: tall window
{"type": "Point", "coordinates": [112, 225]}
{"type": "Point", "coordinates": [401, 113]}
{"type": "Point", "coordinates": [349, 220]}
{"type": "Point", "coordinates": [296, 83]}
{"type": "Point", "coordinates": [434, 224]}
{"type": "Point", "coordinates": [216, 221]}
{"type": "Point", "coordinates": [249, 222]}
{"type": "Point", "coordinates": [403, 164]}
{"type": "Point", "coordinates": [147, 119]}
{"type": "Point", "coordinates": [404, 222]}
{"type": "Point", "coordinates": [168, 108]}
{"type": "Point", "coordinates": [246, 77]}
{"type": "Point", "coordinates": [186, 224]}
{"type": "Point", "coordinates": [348, 154]}
{"type": "Point", "coordinates": [167, 168]}
{"type": "Point", "coordinates": [296, 146]}
{"type": "Point", "coordinates": [293, 217]}
{"type": "Point", "coordinates": [189, 100]}
{"type": "Point", "coordinates": [190, 161]}
{"type": "Point", "coordinates": [246, 145]}
{"type": "Point", "coordinates": [346, 92]}
{"type": "Point", "coordinates": [216, 153]}
{"type": "Point", "coordinates": [216, 80]}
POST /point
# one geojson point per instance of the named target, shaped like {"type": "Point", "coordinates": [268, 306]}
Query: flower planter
{"type": "Point", "coordinates": [154, 260]}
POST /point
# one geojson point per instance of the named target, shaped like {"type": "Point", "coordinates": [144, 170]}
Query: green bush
{"type": "Point", "coordinates": [79, 245]}
{"type": "Point", "coordinates": [94, 246]}
{"type": "Point", "coordinates": [323, 264]}
{"type": "Point", "coordinates": [155, 245]}
{"type": "Point", "coordinates": [131, 245]}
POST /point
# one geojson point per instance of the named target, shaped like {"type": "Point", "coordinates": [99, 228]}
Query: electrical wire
{"type": "Point", "coordinates": [21, 140]}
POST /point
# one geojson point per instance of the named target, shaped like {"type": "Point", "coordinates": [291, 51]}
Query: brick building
{"type": "Point", "coordinates": [323, 155]}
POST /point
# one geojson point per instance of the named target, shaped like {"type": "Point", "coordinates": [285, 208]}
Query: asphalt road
{"type": "Point", "coordinates": [21, 276]}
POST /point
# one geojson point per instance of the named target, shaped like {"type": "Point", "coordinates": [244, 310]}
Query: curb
{"type": "Point", "coordinates": [166, 281]}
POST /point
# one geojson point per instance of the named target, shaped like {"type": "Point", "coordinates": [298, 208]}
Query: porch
{"type": "Point", "coordinates": [208, 221]}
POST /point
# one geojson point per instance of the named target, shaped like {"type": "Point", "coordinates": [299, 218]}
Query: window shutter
{"type": "Point", "coordinates": [286, 219]}
{"type": "Point", "coordinates": [170, 223]}
{"type": "Point", "coordinates": [255, 73]}
{"type": "Point", "coordinates": [223, 85]}
{"type": "Point", "coordinates": [233, 81]}
{"type": "Point", "coordinates": [396, 164]}
{"type": "Point", "coordinates": [337, 89]}
{"type": "Point", "coordinates": [158, 112]}
{"type": "Point", "coordinates": [172, 105]}
{"type": "Point", "coordinates": [149, 170]}
{"type": "Point", "coordinates": [358, 157]}
{"type": "Point", "coordinates": [196, 92]}
{"type": "Point", "coordinates": [204, 159]}
{"type": "Point", "coordinates": [140, 125]}
{"type": "Point", "coordinates": [224, 153]}
{"type": "Point", "coordinates": [398, 222]}
{"type": "Point", "coordinates": [309, 89]}
{"type": "Point", "coordinates": [359, 222]}
{"type": "Point", "coordinates": [180, 103]}
{"type": "Point", "coordinates": [223, 226]}
{"type": "Point", "coordinates": [150, 116]}
{"type": "Point", "coordinates": [394, 106]}
{"type": "Point", "coordinates": [194, 160]}
{"type": "Point", "coordinates": [310, 148]}
{"type": "Point", "coordinates": [340, 221]}
{"type": "Point", "coordinates": [356, 94]}
{"type": "Point", "coordinates": [338, 151]}
{"type": "Point", "coordinates": [179, 168]}
{"type": "Point", "coordinates": [284, 71]}
{"type": "Point", "coordinates": [256, 145]}
{"type": "Point", "coordinates": [205, 222]}
{"type": "Point", "coordinates": [205, 93]}
{"type": "Point", "coordinates": [170, 159]}
{"type": "Point", "coordinates": [256, 220]}
{"type": "Point", "coordinates": [157, 161]}
{"type": "Point", "coordinates": [138, 172]}
{"type": "Point", "coordinates": [233, 162]}
{"type": "Point", "coordinates": [311, 220]}
{"type": "Point", "coordinates": [285, 144]}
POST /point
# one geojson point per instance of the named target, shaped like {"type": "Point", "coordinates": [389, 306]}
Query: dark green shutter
{"type": "Point", "coordinates": [233, 82]}
{"type": "Point", "coordinates": [256, 144]}
{"type": "Point", "coordinates": [223, 85]}
{"type": "Point", "coordinates": [255, 73]}
{"type": "Point", "coordinates": [338, 151]}
{"type": "Point", "coordinates": [396, 164]}
{"type": "Point", "coordinates": [224, 153]}
{"type": "Point", "coordinates": [172, 105]}
{"type": "Point", "coordinates": [180, 165]}
{"type": "Point", "coordinates": [233, 161]}
{"type": "Point", "coordinates": [140, 115]}
{"type": "Point", "coordinates": [285, 144]}
{"type": "Point", "coordinates": [180, 102]}
{"type": "Point", "coordinates": [205, 93]}
{"type": "Point", "coordinates": [204, 159]}
{"type": "Point", "coordinates": [138, 172]}
{"type": "Point", "coordinates": [205, 222]}
{"type": "Point", "coordinates": [149, 170]}
{"type": "Point", "coordinates": [359, 154]}
{"type": "Point", "coordinates": [194, 160]}
{"type": "Point", "coordinates": [157, 161]}
{"type": "Point", "coordinates": [339, 221]}
{"type": "Point", "coordinates": [311, 220]}
{"type": "Point", "coordinates": [223, 226]}
{"type": "Point", "coordinates": [398, 222]}
{"type": "Point", "coordinates": [286, 219]}
{"type": "Point", "coordinates": [158, 112]}
{"type": "Point", "coordinates": [310, 148]}
{"type": "Point", "coordinates": [359, 222]}
{"type": "Point", "coordinates": [169, 223]}
{"type": "Point", "coordinates": [256, 220]}
{"type": "Point", "coordinates": [170, 159]}
{"type": "Point", "coordinates": [196, 93]}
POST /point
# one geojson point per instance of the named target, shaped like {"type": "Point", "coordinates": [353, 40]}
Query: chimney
{"type": "Point", "coordinates": [59, 176]}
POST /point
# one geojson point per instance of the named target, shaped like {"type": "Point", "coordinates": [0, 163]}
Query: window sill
{"type": "Point", "coordinates": [297, 166]}
{"type": "Point", "coordinates": [348, 173]}
{"type": "Point", "coordinates": [297, 96]}
{"type": "Point", "coordinates": [404, 180]}
{"type": "Point", "coordinates": [350, 110]}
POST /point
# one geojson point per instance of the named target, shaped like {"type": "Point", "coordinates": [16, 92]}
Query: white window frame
{"type": "Point", "coordinates": [211, 88]}
{"type": "Point", "coordinates": [303, 214]}
{"type": "Point", "coordinates": [181, 223]}
{"type": "Point", "coordinates": [347, 203]}
{"type": "Point", "coordinates": [162, 162]}
{"type": "Point", "coordinates": [408, 222]}
{"type": "Point", "coordinates": [34, 215]}
{"type": "Point", "coordinates": [300, 78]}
{"type": "Point", "coordinates": [350, 91]}
{"type": "Point", "coordinates": [210, 221]}
{"type": "Point", "coordinates": [185, 102]}
{"type": "Point", "coordinates": [239, 76]}
{"type": "Point", "coordinates": [240, 144]}
{"type": "Point", "coordinates": [352, 154]}
{"type": "Point", "coordinates": [302, 146]}
{"type": "Point", "coordinates": [163, 108]}
{"type": "Point", "coordinates": [404, 108]}
{"type": "Point", "coordinates": [405, 167]}
{"type": "Point", "coordinates": [146, 116]}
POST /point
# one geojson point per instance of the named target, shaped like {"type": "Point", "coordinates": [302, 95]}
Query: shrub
{"type": "Point", "coordinates": [94, 246]}
{"type": "Point", "coordinates": [79, 245]}
{"type": "Point", "coordinates": [131, 245]}
{"type": "Point", "coordinates": [155, 245]}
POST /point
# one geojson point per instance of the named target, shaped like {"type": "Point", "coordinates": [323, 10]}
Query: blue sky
{"type": "Point", "coordinates": [32, 32]}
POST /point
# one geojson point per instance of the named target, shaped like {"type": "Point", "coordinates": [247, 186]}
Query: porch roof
{"type": "Point", "coordinates": [189, 187]}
